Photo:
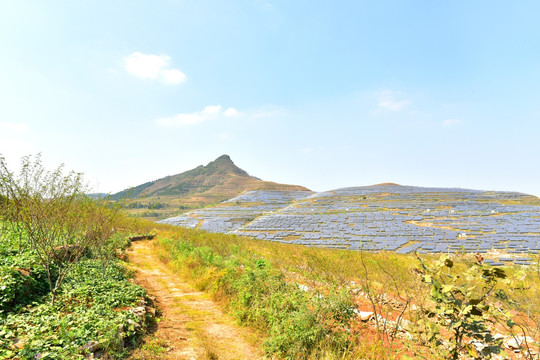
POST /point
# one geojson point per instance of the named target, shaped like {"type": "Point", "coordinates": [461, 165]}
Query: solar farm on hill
{"type": "Point", "coordinates": [66, 293]}
{"type": "Point", "coordinates": [382, 217]}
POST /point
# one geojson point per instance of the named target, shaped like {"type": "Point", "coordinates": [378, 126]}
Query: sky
{"type": "Point", "coordinates": [324, 94]}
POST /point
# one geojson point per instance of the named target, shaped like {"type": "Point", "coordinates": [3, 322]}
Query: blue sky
{"type": "Point", "coordinates": [325, 94]}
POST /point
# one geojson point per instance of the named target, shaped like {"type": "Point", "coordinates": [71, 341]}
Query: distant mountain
{"type": "Point", "coordinates": [97, 195]}
{"type": "Point", "coordinates": [206, 185]}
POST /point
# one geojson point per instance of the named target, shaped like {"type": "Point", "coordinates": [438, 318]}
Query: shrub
{"type": "Point", "coordinates": [19, 287]}
{"type": "Point", "coordinates": [58, 220]}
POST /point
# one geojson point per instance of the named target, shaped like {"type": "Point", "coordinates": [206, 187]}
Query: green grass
{"type": "Point", "coordinates": [297, 322]}
{"type": "Point", "coordinates": [151, 350]}
{"type": "Point", "coordinates": [258, 282]}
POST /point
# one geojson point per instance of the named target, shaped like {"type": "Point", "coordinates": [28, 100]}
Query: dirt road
{"type": "Point", "coordinates": [192, 325]}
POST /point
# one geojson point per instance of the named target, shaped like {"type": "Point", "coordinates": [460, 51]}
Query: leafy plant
{"type": "Point", "coordinates": [90, 312]}
{"type": "Point", "coordinates": [463, 308]}
{"type": "Point", "coordinates": [19, 286]}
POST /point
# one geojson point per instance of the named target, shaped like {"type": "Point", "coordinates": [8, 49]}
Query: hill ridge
{"type": "Point", "coordinates": [219, 180]}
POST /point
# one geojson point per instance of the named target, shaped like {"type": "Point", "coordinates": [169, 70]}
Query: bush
{"type": "Point", "coordinates": [19, 287]}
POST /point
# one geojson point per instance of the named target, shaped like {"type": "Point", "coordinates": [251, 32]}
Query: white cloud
{"type": "Point", "coordinates": [231, 112]}
{"type": "Point", "coordinates": [149, 66]}
{"type": "Point", "coordinates": [307, 150]}
{"type": "Point", "coordinates": [211, 112]}
{"type": "Point", "coordinates": [216, 112]}
{"type": "Point", "coordinates": [146, 66]}
{"type": "Point", "coordinates": [451, 122]}
{"type": "Point", "coordinates": [387, 101]}
{"type": "Point", "coordinates": [18, 127]}
{"type": "Point", "coordinates": [173, 76]}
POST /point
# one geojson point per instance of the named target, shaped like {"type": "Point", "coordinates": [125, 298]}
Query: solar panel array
{"type": "Point", "coordinates": [384, 217]}
{"type": "Point", "coordinates": [232, 214]}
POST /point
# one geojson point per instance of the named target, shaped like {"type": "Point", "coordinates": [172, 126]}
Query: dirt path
{"type": "Point", "coordinates": [192, 326]}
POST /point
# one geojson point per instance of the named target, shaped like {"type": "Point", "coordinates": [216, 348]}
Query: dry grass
{"type": "Point", "coordinates": [379, 274]}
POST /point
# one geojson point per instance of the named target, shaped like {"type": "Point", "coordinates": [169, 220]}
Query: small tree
{"type": "Point", "coordinates": [9, 211]}
{"type": "Point", "coordinates": [102, 217]}
{"type": "Point", "coordinates": [376, 292]}
{"type": "Point", "coordinates": [55, 214]}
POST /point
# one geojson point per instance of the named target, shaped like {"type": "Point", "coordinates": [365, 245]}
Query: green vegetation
{"type": "Point", "coordinates": [63, 292]}
{"type": "Point", "coordinates": [139, 205]}
{"type": "Point", "coordinates": [463, 308]}
{"type": "Point", "coordinates": [54, 218]}
{"type": "Point", "coordinates": [296, 321]}
{"type": "Point", "coordinates": [307, 301]}
{"type": "Point", "coordinates": [90, 314]}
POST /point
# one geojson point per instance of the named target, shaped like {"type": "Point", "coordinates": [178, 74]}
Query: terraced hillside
{"type": "Point", "coordinates": [238, 212]}
{"type": "Point", "coordinates": [206, 185]}
{"type": "Point", "coordinates": [383, 217]}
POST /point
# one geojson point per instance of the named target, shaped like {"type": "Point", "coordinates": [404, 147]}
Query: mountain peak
{"type": "Point", "coordinates": [225, 164]}
{"type": "Point", "coordinates": [223, 161]}
{"type": "Point", "coordinates": [219, 180]}
{"type": "Point", "coordinates": [223, 157]}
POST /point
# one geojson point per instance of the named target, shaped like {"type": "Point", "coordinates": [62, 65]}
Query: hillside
{"type": "Point", "coordinates": [382, 217]}
{"type": "Point", "coordinates": [206, 185]}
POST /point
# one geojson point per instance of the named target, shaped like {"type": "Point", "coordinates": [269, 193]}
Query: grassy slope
{"type": "Point", "coordinates": [267, 297]}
